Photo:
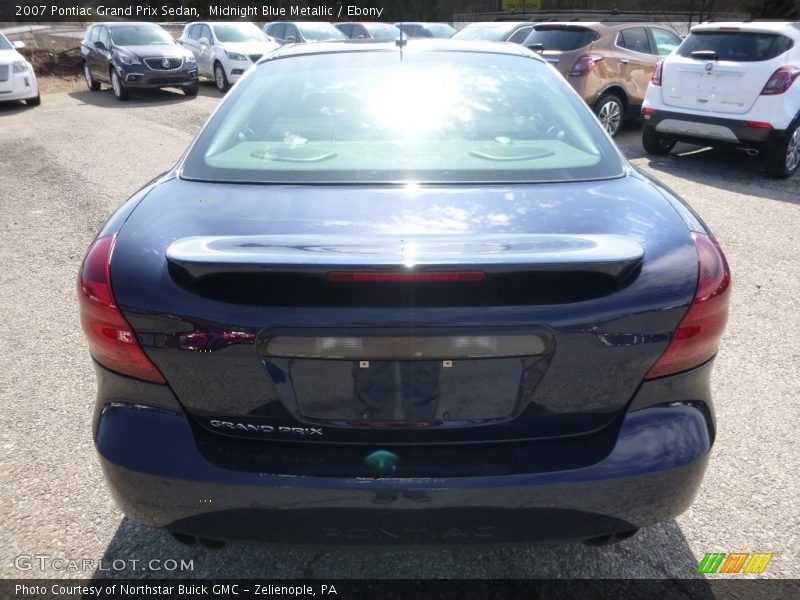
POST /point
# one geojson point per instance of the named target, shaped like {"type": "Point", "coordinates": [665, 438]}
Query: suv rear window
{"type": "Point", "coordinates": [388, 117]}
{"type": "Point", "coordinates": [561, 37]}
{"type": "Point", "coordinates": [739, 46]}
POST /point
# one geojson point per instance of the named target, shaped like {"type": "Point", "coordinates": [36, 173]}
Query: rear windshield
{"type": "Point", "coordinates": [561, 37]}
{"type": "Point", "coordinates": [392, 116]}
{"type": "Point", "coordinates": [383, 32]}
{"type": "Point", "coordinates": [736, 45]}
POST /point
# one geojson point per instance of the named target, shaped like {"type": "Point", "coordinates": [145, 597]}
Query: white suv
{"type": "Point", "coordinates": [224, 51]}
{"type": "Point", "coordinates": [730, 83]}
{"type": "Point", "coordinates": [17, 79]}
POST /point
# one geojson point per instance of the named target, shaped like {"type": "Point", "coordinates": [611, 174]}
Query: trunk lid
{"type": "Point", "coordinates": [275, 311]}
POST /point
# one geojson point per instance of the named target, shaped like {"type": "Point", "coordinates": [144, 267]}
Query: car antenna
{"type": "Point", "coordinates": [400, 42]}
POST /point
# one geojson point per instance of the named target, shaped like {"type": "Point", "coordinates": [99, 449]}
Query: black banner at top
{"type": "Point", "coordinates": [41, 11]}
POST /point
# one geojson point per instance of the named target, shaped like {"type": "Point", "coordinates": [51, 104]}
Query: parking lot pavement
{"type": "Point", "coordinates": [66, 165]}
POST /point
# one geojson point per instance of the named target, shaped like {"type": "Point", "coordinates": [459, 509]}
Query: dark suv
{"type": "Point", "coordinates": [136, 55]}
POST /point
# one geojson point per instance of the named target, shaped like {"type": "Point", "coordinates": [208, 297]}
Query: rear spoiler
{"type": "Point", "coordinates": [612, 255]}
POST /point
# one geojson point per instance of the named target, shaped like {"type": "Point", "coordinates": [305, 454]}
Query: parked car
{"type": "Point", "coordinates": [730, 84]}
{"type": "Point", "coordinates": [17, 79]}
{"type": "Point", "coordinates": [363, 312]}
{"type": "Point", "coordinates": [608, 64]}
{"type": "Point", "coordinates": [369, 31]}
{"type": "Point", "coordinates": [136, 56]}
{"type": "Point", "coordinates": [299, 32]}
{"type": "Point", "coordinates": [426, 30]}
{"type": "Point", "coordinates": [496, 31]}
{"type": "Point", "coordinates": [224, 51]}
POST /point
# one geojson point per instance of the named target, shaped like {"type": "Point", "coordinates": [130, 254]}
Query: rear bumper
{"type": "Point", "coordinates": [159, 477]}
{"type": "Point", "coordinates": [698, 129]}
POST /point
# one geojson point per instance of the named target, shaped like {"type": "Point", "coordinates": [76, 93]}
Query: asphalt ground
{"type": "Point", "coordinates": [66, 165]}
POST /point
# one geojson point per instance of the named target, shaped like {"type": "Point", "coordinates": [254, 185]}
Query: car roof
{"type": "Point", "coordinates": [784, 27]}
{"type": "Point", "coordinates": [416, 44]}
{"type": "Point", "coordinates": [113, 24]}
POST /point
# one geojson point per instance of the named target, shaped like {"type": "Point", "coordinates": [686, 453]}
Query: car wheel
{"type": "Point", "coordinates": [119, 90]}
{"type": "Point", "coordinates": [609, 110]}
{"type": "Point", "coordinates": [35, 101]}
{"type": "Point", "coordinates": [94, 86]}
{"type": "Point", "coordinates": [220, 79]}
{"type": "Point", "coordinates": [655, 143]}
{"type": "Point", "coordinates": [191, 90]}
{"type": "Point", "coordinates": [785, 159]}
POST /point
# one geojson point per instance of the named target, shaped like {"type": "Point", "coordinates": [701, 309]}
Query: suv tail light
{"type": "Point", "coordinates": [655, 78]}
{"type": "Point", "coordinates": [697, 337]}
{"type": "Point", "coordinates": [781, 80]}
{"type": "Point", "coordinates": [585, 64]}
{"type": "Point", "coordinates": [112, 341]}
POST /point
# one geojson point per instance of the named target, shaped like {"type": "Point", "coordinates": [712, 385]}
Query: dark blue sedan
{"type": "Point", "coordinates": [404, 293]}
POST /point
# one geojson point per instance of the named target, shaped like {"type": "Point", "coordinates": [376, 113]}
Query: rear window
{"type": "Point", "coordinates": [736, 46]}
{"type": "Point", "coordinates": [561, 37]}
{"type": "Point", "coordinates": [391, 116]}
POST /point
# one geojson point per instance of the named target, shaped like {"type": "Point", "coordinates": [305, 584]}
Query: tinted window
{"type": "Point", "coordinates": [105, 37]}
{"type": "Point", "coordinates": [320, 32]}
{"type": "Point", "coordinates": [561, 37]}
{"type": "Point", "coordinates": [384, 33]}
{"type": "Point", "coordinates": [139, 35]}
{"type": "Point", "coordinates": [634, 38]}
{"type": "Point", "coordinates": [440, 30]}
{"type": "Point", "coordinates": [374, 117]}
{"type": "Point", "coordinates": [520, 35]}
{"type": "Point", "coordinates": [736, 45]}
{"type": "Point", "coordinates": [345, 28]}
{"type": "Point", "coordinates": [291, 32]}
{"type": "Point", "coordinates": [194, 32]}
{"type": "Point", "coordinates": [278, 30]}
{"type": "Point", "coordinates": [95, 34]}
{"type": "Point", "coordinates": [359, 32]}
{"type": "Point", "coordinates": [4, 43]}
{"type": "Point", "coordinates": [665, 41]}
{"type": "Point", "coordinates": [205, 32]}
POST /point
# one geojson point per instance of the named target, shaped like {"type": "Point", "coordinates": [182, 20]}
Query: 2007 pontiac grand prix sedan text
{"type": "Point", "coordinates": [404, 293]}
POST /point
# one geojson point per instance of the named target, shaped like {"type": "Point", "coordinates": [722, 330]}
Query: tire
{"type": "Point", "coordinates": [120, 93]}
{"type": "Point", "coordinates": [191, 90]}
{"type": "Point", "coordinates": [656, 144]}
{"type": "Point", "coordinates": [785, 159]}
{"type": "Point", "coordinates": [35, 101]}
{"type": "Point", "coordinates": [94, 86]}
{"type": "Point", "coordinates": [610, 110]}
{"type": "Point", "coordinates": [220, 78]}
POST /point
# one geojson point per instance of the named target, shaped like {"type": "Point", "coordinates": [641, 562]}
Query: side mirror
{"type": "Point", "coordinates": [19, 45]}
{"type": "Point", "coordinates": [203, 41]}
{"type": "Point", "coordinates": [100, 45]}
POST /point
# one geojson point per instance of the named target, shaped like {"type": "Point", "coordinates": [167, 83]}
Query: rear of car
{"type": "Point", "coordinates": [17, 78]}
{"type": "Point", "coordinates": [403, 296]}
{"type": "Point", "coordinates": [609, 65]}
{"type": "Point", "coordinates": [730, 84]}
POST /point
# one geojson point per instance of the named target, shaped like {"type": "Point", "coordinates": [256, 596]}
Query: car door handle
{"type": "Point", "coordinates": [624, 61]}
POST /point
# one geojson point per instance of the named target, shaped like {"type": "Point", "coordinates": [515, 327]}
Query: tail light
{"type": "Point", "coordinates": [781, 80]}
{"type": "Point", "coordinates": [697, 337]}
{"type": "Point", "coordinates": [655, 78]}
{"type": "Point", "coordinates": [112, 341]}
{"type": "Point", "coordinates": [585, 64]}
